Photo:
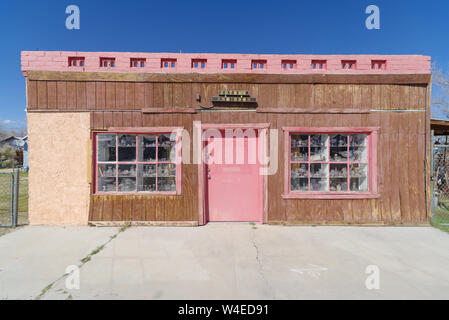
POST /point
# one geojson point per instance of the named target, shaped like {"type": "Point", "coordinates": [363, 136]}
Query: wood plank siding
{"type": "Point", "coordinates": [397, 104]}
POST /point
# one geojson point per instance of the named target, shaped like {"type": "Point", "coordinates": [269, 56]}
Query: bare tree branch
{"type": "Point", "coordinates": [440, 97]}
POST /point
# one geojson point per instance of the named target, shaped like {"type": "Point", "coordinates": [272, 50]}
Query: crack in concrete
{"type": "Point", "coordinates": [84, 261]}
{"type": "Point", "coordinates": [259, 262]}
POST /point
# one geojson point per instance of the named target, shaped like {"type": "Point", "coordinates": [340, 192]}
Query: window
{"type": "Point", "coordinates": [138, 163]}
{"type": "Point", "coordinates": [329, 163]}
{"type": "Point", "coordinates": [379, 64]}
{"type": "Point", "coordinates": [258, 64]}
{"type": "Point", "coordinates": [228, 64]}
{"type": "Point", "coordinates": [107, 62]}
{"type": "Point", "coordinates": [168, 63]}
{"type": "Point", "coordinates": [319, 64]}
{"type": "Point", "coordinates": [76, 61]}
{"type": "Point", "coordinates": [288, 64]}
{"type": "Point", "coordinates": [199, 63]}
{"type": "Point", "coordinates": [348, 64]}
{"type": "Point", "coordinates": [137, 62]}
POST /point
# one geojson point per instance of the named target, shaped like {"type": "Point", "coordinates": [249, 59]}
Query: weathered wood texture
{"type": "Point", "coordinates": [231, 78]}
{"type": "Point", "coordinates": [401, 167]}
{"type": "Point", "coordinates": [402, 140]}
{"type": "Point", "coordinates": [133, 96]}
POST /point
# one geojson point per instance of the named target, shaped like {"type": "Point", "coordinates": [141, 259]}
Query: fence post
{"type": "Point", "coordinates": [16, 198]}
{"type": "Point", "coordinates": [433, 178]}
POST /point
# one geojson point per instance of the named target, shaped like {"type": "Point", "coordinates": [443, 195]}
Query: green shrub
{"type": "Point", "coordinates": [7, 154]}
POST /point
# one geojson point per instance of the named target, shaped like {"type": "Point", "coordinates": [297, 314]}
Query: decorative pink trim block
{"type": "Point", "coordinates": [58, 61]}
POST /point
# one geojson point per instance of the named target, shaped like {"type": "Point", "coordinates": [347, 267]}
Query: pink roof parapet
{"type": "Point", "coordinates": [223, 63]}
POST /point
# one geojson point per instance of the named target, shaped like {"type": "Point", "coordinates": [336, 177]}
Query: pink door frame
{"type": "Point", "coordinates": [263, 133]}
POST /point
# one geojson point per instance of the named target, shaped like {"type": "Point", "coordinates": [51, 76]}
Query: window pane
{"type": "Point", "coordinates": [318, 177]}
{"type": "Point", "coordinates": [126, 178]}
{"type": "Point", "coordinates": [299, 147]}
{"type": "Point", "coordinates": [338, 177]}
{"type": "Point", "coordinates": [147, 148]}
{"type": "Point", "coordinates": [166, 147]}
{"type": "Point", "coordinates": [166, 177]}
{"type": "Point", "coordinates": [106, 149]}
{"type": "Point", "coordinates": [126, 170]}
{"type": "Point", "coordinates": [299, 177]}
{"type": "Point", "coordinates": [339, 147]}
{"type": "Point", "coordinates": [318, 148]}
{"type": "Point", "coordinates": [147, 177]}
{"type": "Point", "coordinates": [359, 177]}
{"type": "Point", "coordinates": [106, 178]}
{"type": "Point", "coordinates": [358, 148]}
{"type": "Point", "coordinates": [127, 148]}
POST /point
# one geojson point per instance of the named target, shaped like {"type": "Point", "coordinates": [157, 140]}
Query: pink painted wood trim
{"type": "Point", "coordinates": [265, 180]}
{"type": "Point", "coordinates": [287, 155]}
{"type": "Point", "coordinates": [236, 126]}
{"type": "Point", "coordinates": [132, 130]}
{"type": "Point", "coordinates": [372, 164]}
{"type": "Point", "coordinates": [373, 161]}
{"type": "Point", "coordinates": [201, 177]}
{"type": "Point", "coordinates": [330, 196]}
{"type": "Point", "coordinates": [331, 130]}
{"type": "Point", "coordinates": [169, 110]}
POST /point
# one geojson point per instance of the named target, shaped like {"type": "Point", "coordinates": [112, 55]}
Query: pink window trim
{"type": "Point", "coordinates": [372, 133]}
{"type": "Point", "coordinates": [137, 132]}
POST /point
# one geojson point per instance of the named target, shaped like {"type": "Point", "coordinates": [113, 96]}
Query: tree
{"type": "Point", "coordinates": [7, 154]}
{"type": "Point", "coordinates": [3, 133]}
{"type": "Point", "coordinates": [440, 96]}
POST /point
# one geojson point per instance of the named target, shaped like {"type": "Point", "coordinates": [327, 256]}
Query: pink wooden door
{"type": "Point", "coordinates": [233, 190]}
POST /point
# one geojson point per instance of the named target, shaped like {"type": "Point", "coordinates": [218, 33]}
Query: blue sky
{"type": "Point", "coordinates": [290, 27]}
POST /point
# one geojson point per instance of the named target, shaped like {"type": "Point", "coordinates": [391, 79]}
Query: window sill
{"type": "Point", "coordinates": [144, 194]}
{"type": "Point", "coordinates": [330, 196]}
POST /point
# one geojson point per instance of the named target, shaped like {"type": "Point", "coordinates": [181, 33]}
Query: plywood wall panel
{"type": "Point", "coordinates": [32, 95]}
{"type": "Point", "coordinates": [120, 96]}
{"type": "Point", "coordinates": [110, 95]}
{"type": "Point", "coordinates": [81, 99]}
{"type": "Point", "coordinates": [140, 95]}
{"type": "Point", "coordinates": [52, 95]}
{"type": "Point", "coordinates": [100, 95]}
{"type": "Point", "coordinates": [91, 95]}
{"type": "Point", "coordinates": [148, 95]}
{"type": "Point", "coordinates": [42, 101]}
{"type": "Point", "coordinates": [130, 95]}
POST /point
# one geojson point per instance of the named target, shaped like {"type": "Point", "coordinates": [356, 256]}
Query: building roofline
{"type": "Point", "coordinates": [214, 63]}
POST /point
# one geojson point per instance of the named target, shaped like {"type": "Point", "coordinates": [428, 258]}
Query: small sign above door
{"type": "Point", "coordinates": [231, 97]}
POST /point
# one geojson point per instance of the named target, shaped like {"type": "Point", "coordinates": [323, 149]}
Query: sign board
{"type": "Point", "coordinates": [234, 96]}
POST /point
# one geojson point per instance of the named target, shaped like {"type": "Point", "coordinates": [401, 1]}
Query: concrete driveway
{"type": "Point", "coordinates": [226, 261]}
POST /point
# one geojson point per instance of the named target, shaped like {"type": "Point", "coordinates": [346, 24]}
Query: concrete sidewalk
{"type": "Point", "coordinates": [226, 261]}
{"type": "Point", "coordinates": [31, 258]}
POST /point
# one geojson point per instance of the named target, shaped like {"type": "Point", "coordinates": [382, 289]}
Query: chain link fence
{"type": "Point", "coordinates": [440, 179]}
{"type": "Point", "coordinates": [6, 199]}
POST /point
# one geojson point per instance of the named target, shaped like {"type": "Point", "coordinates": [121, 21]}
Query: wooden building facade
{"type": "Point", "coordinates": [352, 135]}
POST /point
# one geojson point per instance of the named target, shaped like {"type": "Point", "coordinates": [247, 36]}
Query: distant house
{"type": "Point", "coordinates": [19, 144]}
{"type": "Point", "coordinates": [13, 142]}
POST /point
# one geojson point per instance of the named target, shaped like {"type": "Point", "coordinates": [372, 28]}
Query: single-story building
{"type": "Point", "coordinates": [186, 139]}
{"type": "Point", "coordinates": [440, 127]}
